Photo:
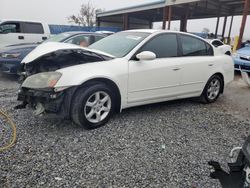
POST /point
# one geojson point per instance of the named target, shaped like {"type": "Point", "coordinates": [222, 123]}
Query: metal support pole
{"type": "Point", "coordinates": [217, 27]}
{"type": "Point", "coordinates": [164, 19]}
{"type": "Point", "coordinates": [218, 23]}
{"type": "Point", "coordinates": [183, 26]}
{"type": "Point", "coordinates": [150, 24]}
{"type": "Point", "coordinates": [98, 22]}
{"type": "Point", "coordinates": [224, 27]}
{"type": "Point", "coordinates": [169, 17]}
{"type": "Point", "coordinates": [125, 22]}
{"type": "Point", "coordinates": [231, 25]}
{"type": "Point", "coordinates": [243, 23]}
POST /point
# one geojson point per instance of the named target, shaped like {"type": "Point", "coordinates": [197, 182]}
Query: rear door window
{"type": "Point", "coordinates": [192, 46]}
{"type": "Point", "coordinates": [35, 28]}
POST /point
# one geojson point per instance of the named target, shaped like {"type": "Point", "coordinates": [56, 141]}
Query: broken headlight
{"type": "Point", "coordinates": [42, 80]}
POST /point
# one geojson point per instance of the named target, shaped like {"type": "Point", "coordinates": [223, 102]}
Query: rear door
{"type": "Point", "coordinates": [33, 32]}
{"type": "Point", "coordinates": [197, 61]}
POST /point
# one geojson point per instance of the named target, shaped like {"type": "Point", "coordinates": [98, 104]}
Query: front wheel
{"type": "Point", "coordinates": [212, 89]}
{"type": "Point", "coordinates": [92, 106]}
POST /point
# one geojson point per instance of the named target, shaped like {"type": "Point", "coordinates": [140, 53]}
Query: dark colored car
{"type": "Point", "coordinates": [11, 56]}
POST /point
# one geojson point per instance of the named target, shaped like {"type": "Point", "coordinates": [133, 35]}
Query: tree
{"type": "Point", "coordinates": [86, 16]}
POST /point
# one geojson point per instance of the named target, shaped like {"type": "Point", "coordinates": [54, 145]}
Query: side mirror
{"type": "Point", "coordinates": [146, 55]}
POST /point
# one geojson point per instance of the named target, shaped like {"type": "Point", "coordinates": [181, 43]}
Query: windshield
{"type": "Point", "coordinates": [119, 44]}
{"type": "Point", "coordinates": [58, 38]}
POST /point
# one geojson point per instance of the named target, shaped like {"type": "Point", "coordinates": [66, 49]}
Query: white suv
{"type": "Point", "coordinates": [127, 69]}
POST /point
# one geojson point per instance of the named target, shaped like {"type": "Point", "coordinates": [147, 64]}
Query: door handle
{"type": "Point", "coordinates": [44, 38]}
{"type": "Point", "coordinates": [211, 64]}
{"type": "Point", "coordinates": [176, 69]}
{"type": "Point", "coordinates": [21, 37]}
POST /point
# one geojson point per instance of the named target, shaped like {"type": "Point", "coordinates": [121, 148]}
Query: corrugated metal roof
{"type": "Point", "coordinates": [146, 6]}
{"type": "Point", "coordinates": [227, 7]}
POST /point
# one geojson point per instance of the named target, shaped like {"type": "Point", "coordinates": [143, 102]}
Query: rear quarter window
{"type": "Point", "coordinates": [35, 28]}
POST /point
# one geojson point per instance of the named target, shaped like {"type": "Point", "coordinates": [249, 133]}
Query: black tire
{"type": "Point", "coordinates": [204, 98]}
{"type": "Point", "coordinates": [79, 103]}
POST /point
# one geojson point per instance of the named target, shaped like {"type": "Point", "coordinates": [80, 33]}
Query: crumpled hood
{"type": "Point", "coordinates": [50, 47]}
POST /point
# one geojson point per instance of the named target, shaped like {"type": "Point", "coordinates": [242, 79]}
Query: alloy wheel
{"type": "Point", "coordinates": [97, 107]}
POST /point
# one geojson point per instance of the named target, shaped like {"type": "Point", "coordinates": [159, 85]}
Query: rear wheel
{"type": "Point", "coordinates": [212, 89]}
{"type": "Point", "coordinates": [92, 106]}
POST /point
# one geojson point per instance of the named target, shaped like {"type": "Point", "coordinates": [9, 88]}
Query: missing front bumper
{"type": "Point", "coordinates": [52, 102]}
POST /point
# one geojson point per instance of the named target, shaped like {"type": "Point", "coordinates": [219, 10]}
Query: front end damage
{"type": "Point", "coordinates": [47, 100]}
{"type": "Point", "coordinates": [40, 77]}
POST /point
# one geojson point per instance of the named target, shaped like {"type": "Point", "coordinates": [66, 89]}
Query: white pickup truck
{"type": "Point", "coordinates": [20, 31]}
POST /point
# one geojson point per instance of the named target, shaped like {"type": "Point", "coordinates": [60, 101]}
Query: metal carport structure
{"type": "Point", "coordinates": [142, 16]}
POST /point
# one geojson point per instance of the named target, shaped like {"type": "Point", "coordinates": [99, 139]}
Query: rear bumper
{"type": "Point", "coordinates": [9, 67]}
{"type": "Point", "coordinates": [53, 102]}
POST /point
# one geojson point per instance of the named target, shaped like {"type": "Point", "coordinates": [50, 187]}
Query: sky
{"type": "Point", "coordinates": [57, 11]}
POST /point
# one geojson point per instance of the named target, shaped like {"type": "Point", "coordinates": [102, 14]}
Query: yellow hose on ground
{"type": "Point", "coordinates": [13, 127]}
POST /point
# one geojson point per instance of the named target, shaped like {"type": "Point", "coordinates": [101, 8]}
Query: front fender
{"type": "Point", "coordinates": [115, 70]}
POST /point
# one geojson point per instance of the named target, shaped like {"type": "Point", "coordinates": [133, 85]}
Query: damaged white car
{"type": "Point", "coordinates": [127, 69]}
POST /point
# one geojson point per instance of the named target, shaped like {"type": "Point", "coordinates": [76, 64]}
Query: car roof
{"type": "Point", "coordinates": [152, 31]}
{"type": "Point", "coordinates": [158, 31]}
{"type": "Point", "coordinates": [19, 20]}
{"type": "Point", "coordinates": [81, 32]}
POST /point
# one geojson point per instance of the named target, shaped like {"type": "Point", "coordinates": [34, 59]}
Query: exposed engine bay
{"type": "Point", "coordinates": [60, 59]}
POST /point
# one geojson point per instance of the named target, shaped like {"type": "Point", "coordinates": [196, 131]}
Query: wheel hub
{"type": "Point", "coordinates": [213, 89]}
{"type": "Point", "coordinates": [97, 107]}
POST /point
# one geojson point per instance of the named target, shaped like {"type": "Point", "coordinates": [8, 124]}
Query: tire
{"type": "Point", "coordinates": [89, 111]}
{"type": "Point", "coordinates": [212, 90]}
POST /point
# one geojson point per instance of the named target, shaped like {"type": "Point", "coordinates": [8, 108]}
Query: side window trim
{"type": "Point", "coordinates": [178, 46]}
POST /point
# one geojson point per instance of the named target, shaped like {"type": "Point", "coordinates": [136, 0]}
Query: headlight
{"type": "Point", "coordinates": [42, 80]}
{"type": "Point", "coordinates": [10, 55]}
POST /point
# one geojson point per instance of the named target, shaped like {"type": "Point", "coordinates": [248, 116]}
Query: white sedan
{"type": "Point", "coordinates": [224, 48]}
{"type": "Point", "coordinates": [127, 69]}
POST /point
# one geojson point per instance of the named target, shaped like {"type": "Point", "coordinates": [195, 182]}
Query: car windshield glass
{"type": "Point", "coordinates": [119, 44]}
{"type": "Point", "coordinates": [58, 38]}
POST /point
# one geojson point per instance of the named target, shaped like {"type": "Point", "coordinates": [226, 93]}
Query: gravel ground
{"type": "Point", "coordinates": [160, 145]}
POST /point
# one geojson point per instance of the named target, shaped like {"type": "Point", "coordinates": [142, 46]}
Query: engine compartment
{"type": "Point", "coordinates": [60, 59]}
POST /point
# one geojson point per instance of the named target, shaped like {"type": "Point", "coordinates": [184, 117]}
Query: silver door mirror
{"type": "Point", "coordinates": [146, 55]}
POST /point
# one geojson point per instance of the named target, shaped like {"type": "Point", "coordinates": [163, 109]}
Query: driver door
{"type": "Point", "coordinates": [158, 79]}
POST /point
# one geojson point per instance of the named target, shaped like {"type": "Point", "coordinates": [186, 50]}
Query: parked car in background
{"type": "Point", "coordinates": [123, 70]}
{"type": "Point", "coordinates": [11, 56]}
{"type": "Point", "coordinates": [106, 32]}
{"type": "Point", "coordinates": [242, 59]}
{"type": "Point", "coordinates": [226, 49]}
{"type": "Point", "coordinates": [19, 31]}
{"type": "Point", "coordinates": [22, 31]}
